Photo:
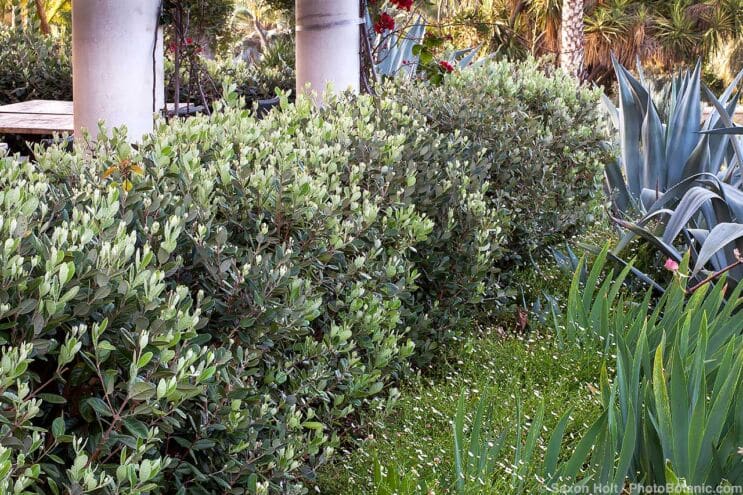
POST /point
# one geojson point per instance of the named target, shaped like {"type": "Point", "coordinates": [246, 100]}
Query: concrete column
{"type": "Point", "coordinates": [328, 45]}
{"type": "Point", "coordinates": [114, 47]}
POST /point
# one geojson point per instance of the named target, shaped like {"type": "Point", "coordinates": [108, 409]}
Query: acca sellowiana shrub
{"type": "Point", "coordinates": [255, 299]}
{"type": "Point", "coordinates": [543, 142]}
{"type": "Point", "coordinates": [401, 153]}
{"type": "Point", "coordinates": [208, 312]}
{"type": "Point", "coordinates": [98, 353]}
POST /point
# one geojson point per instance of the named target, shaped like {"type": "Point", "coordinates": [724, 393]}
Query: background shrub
{"type": "Point", "coordinates": [253, 81]}
{"type": "Point", "coordinates": [226, 299]}
{"type": "Point", "coordinates": [206, 20]}
{"type": "Point", "coordinates": [33, 66]}
{"type": "Point", "coordinates": [37, 66]}
{"type": "Point", "coordinates": [433, 172]}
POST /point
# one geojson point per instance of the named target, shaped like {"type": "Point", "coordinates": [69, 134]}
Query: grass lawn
{"type": "Point", "coordinates": [416, 435]}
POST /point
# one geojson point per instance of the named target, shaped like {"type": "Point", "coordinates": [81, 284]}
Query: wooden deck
{"type": "Point", "coordinates": [39, 117]}
{"type": "Point", "coordinates": [47, 117]}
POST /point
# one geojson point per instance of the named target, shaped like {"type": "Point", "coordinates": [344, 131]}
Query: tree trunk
{"type": "Point", "coordinates": [572, 42]}
{"type": "Point", "coordinates": [261, 33]}
{"type": "Point", "coordinates": [43, 21]}
{"type": "Point", "coordinates": [328, 45]}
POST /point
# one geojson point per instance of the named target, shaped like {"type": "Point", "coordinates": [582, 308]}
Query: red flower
{"type": "Point", "coordinates": [403, 4]}
{"type": "Point", "coordinates": [446, 66]}
{"type": "Point", "coordinates": [385, 23]}
{"type": "Point", "coordinates": [189, 41]}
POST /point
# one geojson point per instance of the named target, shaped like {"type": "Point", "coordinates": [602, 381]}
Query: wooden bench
{"type": "Point", "coordinates": [38, 117]}
{"type": "Point", "coordinates": [47, 117]}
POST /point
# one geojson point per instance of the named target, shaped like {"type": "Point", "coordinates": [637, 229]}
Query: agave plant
{"type": "Point", "coordinates": [467, 57]}
{"type": "Point", "coordinates": [681, 174]}
{"type": "Point", "coordinates": [659, 151]}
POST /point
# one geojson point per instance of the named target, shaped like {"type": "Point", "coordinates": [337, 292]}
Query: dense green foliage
{"type": "Point", "coordinates": [215, 306]}
{"type": "Point", "coordinates": [206, 23]}
{"type": "Point", "coordinates": [260, 80]}
{"type": "Point", "coordinates": [541, 138]}
{"type": "Point", "coordinates": [33, 67]}
{"type": "Point", "coordinates": [669, 412]}
{"type": "Point", "coordinates": [208, 18]}
{"type": "Point", "coordinates": [285, 7]}
{"type": "Point", "coordinates": [205, 79]}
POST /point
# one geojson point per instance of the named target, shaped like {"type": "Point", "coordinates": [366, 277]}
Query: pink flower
{"type": "Point", "coordinates": [671, 265]}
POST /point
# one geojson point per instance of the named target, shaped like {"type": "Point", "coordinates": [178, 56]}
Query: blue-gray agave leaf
{"type": "Point", "coordinates": [684, 126]}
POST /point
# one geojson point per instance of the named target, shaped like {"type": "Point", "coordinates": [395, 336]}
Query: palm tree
{"type": "Point", "coordinates": [572, 39]}
{"type": "Point", "coordinates": [544, 18]}
{"type": "Point", "coordinates": [661, 33]}
{"type": "Point", "coordinates": [252, 15]}
{"type": "Point", "coordinates": [41, 14]}
{"type": "Point", "coordinates": [46, 12]}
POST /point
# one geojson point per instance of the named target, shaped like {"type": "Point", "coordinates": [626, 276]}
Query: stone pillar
{"type": "Point", "coordinates": [328, 39]}
{"type": "Point", "coordinates": [117, 59]}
